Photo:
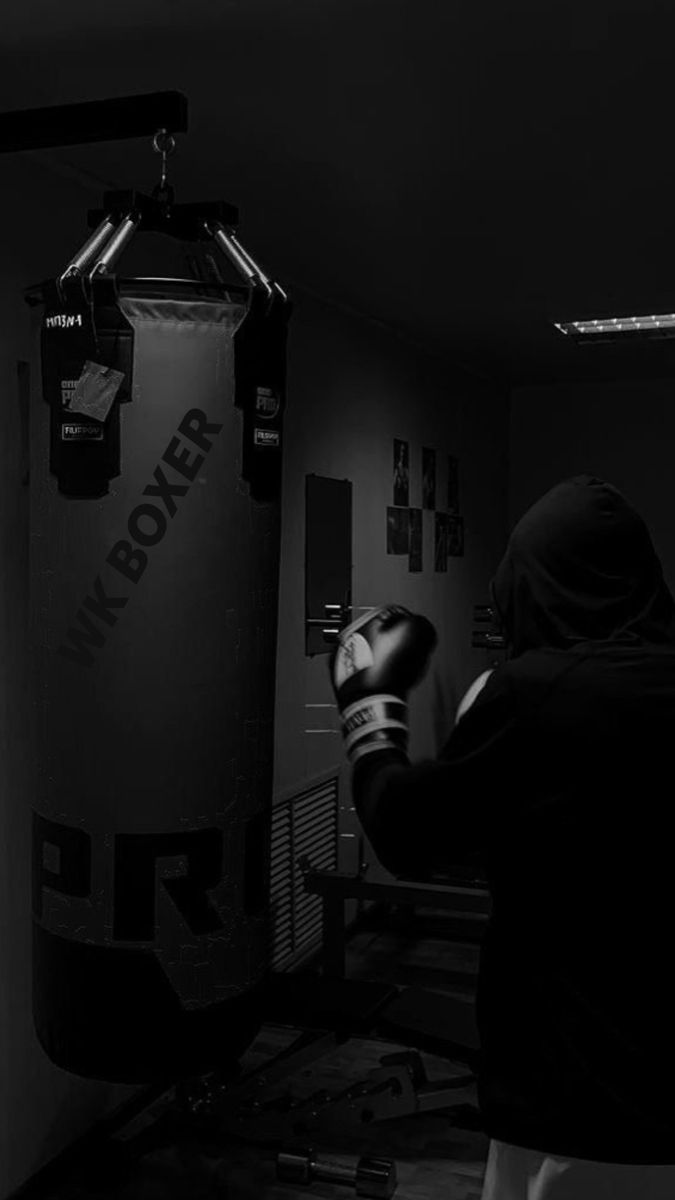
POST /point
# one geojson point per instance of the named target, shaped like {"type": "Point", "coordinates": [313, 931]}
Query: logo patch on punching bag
{"type": "Point", "coordinates": [81, 433]}
{"type": "Point", "coordinates": [354, 654]}
{"type": "Point", "coordinates": [266, 403]}
{"type": "Point", "coordinates": [64, 321]}
{"type": "Point", "coordinates": [266, 437]}
{"type": "Point", "coordinates": [67, 391]}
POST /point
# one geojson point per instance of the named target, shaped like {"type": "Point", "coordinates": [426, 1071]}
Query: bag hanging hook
{"type": "Point", "coordinates": [163, 143]}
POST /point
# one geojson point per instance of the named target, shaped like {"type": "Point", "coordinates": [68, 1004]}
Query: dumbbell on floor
{"type": "Point", "coordinates": [374, 1177]}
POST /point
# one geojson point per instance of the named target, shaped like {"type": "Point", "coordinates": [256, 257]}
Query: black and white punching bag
{"type": "Point", "coordinates": [154, 576]}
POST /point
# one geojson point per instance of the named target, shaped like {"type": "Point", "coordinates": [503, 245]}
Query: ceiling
{"type": "Point", "coordinates": [464, 172]}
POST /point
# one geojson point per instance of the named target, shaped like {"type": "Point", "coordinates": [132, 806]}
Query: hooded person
{"type": "Point", "coordinates": [580, 567]}
{"type": "Point", "coordinates": [557, 773]}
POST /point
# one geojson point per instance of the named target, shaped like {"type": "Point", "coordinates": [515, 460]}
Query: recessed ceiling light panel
{"type": "Point", "coordinates": [606, 328]}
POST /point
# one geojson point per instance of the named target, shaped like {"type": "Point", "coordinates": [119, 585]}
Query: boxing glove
{"type": "Point", "coordinates": [376, 662]}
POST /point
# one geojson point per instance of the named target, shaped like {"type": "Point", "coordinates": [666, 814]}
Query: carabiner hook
{"type": "Point", "coordinates": [165, 144]}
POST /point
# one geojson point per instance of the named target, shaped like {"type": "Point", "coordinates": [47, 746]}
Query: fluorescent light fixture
{"type": "Point", "coordinates": [659, 325]}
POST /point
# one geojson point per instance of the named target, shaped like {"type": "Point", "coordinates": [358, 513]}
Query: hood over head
{"type": "Point", "coordinates": [580, 566]}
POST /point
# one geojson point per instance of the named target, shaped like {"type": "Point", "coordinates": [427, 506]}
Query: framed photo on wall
{"type": "Point", "coordinates": [398, 531]}
{"type": "Point", "coordinates": [453, 484]}
{"type": "Point", "coordinates": [441, 542]}
{"type": "Point", "coordinates": [428, 478]}
{"type": "Point", "coordinates": [401, 474]}
{"type": "Point", "coordinates": [415, 559]}
{"type": "Point", "coordinates": [455, 529]}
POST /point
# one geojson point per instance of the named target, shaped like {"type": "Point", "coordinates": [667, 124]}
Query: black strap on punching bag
{"type": "Point", "coordinates": [260, 389]}
{"type": "Point", "coordinates": [87, 359]}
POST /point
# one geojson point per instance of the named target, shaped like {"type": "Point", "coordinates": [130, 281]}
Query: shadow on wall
{"type": "Point", "coordinates": [621, 431]}
{"type": "Point", "coordinates": [354, 390]}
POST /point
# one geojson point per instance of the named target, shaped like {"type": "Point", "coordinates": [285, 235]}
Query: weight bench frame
{"type": "Point", "coordinates": [336, 887]}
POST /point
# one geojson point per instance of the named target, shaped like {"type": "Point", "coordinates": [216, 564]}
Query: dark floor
{"type": "Point", "coordinates": [438, 1156]}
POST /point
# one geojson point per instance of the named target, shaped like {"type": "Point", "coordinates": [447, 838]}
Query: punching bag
{"type": "Point", "coordinates": [154, 579]}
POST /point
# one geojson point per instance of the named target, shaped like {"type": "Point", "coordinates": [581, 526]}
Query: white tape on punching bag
{"type": "Point", "coordinates": [154, 614]}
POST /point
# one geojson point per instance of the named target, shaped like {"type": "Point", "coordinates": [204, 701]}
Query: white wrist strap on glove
{"type": "Point", "coordinates": [382, 715]}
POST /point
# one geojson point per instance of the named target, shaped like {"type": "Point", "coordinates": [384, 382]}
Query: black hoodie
{"type": "Point", "coordinates": [580, 566]}
{"type": "Point", "coordinates": [560, 774]}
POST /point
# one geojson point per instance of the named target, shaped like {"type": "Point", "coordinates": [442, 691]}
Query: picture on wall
{"type": "Point", "coordinates": [453, 484]}
{"type": "Point", "coordinates": [401, 474]}
{"type": "Point", "coordinates": [455, 526]}
{"type": "Point", "coordinates": [428, 478]}
{"type": "Point", "coordinates": [415, 560]}
{"type": "Point", "coordinates": [441, 542]}
{"type": "Point", "coordinates": [398, 531]}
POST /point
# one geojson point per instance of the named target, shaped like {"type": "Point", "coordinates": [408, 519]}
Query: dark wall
{"type": "Point", "coordinates": [623, 432]}
{"type": "Point", "coordinates": [41, 1107]}
{"type": "Point", "coordinates": [353, 388]}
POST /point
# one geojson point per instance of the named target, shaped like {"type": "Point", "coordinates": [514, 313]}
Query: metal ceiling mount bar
{"type": "Point", "coordinates": [157, 114]}
{"type": "Point", "coordinates": [93, 121]}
